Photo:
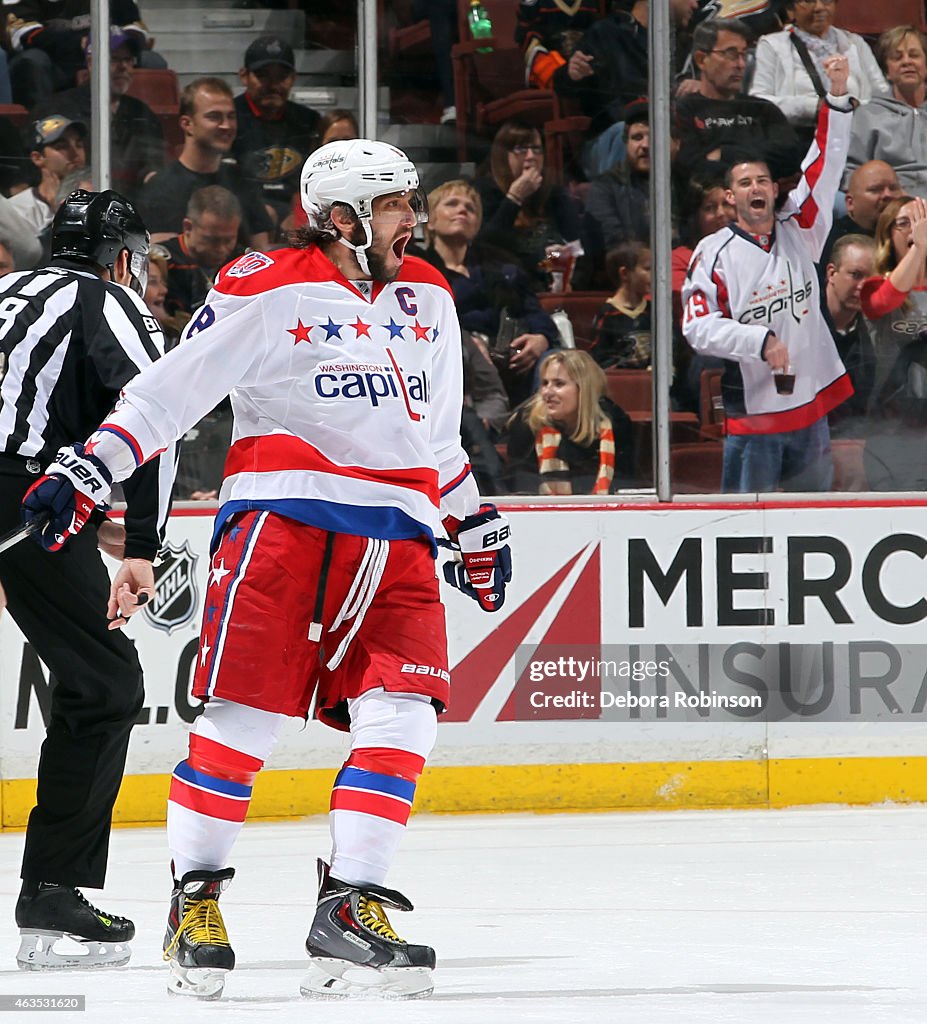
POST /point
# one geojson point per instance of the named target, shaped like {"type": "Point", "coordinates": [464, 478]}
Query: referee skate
{"type": "Point", "coordinates": [46, 913]}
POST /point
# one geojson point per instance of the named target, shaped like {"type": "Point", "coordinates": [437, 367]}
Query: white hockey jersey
{"type": "Point", "coordinates": [346, 405]}
{"type": "Point", "coordinates": [736, 292]}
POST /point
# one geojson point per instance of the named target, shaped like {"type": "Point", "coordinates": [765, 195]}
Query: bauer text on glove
{"type": "Point", "coordinates": [486, 558]}
{"type": "Point", "coordinates": [72, 487]}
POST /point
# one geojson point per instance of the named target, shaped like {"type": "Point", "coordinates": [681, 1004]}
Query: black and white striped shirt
{"type": "Point", "coordinates": [70, 342]}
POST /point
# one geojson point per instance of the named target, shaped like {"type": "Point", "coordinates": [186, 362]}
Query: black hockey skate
{"type": "Point", "coordinates": [196, 943]}
{"type": "Point", "coordinates": [47, 912]}
{"type": "Point", "coordinates": [354, 950]}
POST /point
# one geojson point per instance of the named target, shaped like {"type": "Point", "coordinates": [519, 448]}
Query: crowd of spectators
{"type": "Point", "coordinates": [224, 178]}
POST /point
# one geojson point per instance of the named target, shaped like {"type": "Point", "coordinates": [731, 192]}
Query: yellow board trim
{"type": "Point", "coordinates": [669, 785]}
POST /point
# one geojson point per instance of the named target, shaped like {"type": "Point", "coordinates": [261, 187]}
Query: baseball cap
{"type": "Point", "coordinates": [50, 129]}
{"type": "Point", "coordinates": [119, 37]}
{"type": "Point", "coordinates": [269, 50]}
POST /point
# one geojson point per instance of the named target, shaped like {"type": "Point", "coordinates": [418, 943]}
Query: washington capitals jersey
{"type": "Point", "coordinates": [738, 289]}
{"type": "Point", "coordinates": [346, 396]}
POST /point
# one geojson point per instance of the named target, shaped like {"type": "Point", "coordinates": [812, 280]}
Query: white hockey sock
{"type": "Point", "coordinates": [211, 788]}
{"type": "Point", "coordinates": [392, 734]}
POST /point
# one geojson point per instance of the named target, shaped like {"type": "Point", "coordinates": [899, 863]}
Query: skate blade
{"type": "Point", "coordinates": [341, 979]}
{"type": "Point", "coordinates": [37, 952]}
{"type": "Point", "coordinates": [196, 982]}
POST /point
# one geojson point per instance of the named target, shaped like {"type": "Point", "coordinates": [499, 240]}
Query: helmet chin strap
{"type": "Point", "coordinates": [360, 251]}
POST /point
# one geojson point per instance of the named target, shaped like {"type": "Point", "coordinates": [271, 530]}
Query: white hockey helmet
{"type": "Point", "coordinates": [355, 172]}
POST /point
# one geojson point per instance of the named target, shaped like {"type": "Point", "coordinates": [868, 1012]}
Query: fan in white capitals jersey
{"type": "Point", "coordinates": [342, 357]}
{"type": "Point", "coordinates": [752, 297]}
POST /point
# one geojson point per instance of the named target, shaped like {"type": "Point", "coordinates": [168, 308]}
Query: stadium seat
{"type": "Point", "coordinates": [696, 468]}
{"type": "Point", "coordinates": [870, 19]}
{"type": "Point", "coordinates": [19, 115]}
{"type": "Point", "coordinates": [158, 88]}
{"type": "Point", "coordinates": [406, 37]}
{"type": "Point", "coordinates": [489, 87]}
{"type": "Point", "coordinates": [849, 464]}
{"type": "Point", "coordinates": [631, 389]}
{"type": "Point", "coordinates": [580, 307]}
{"type": "Point", "coordinates": [710, 403]}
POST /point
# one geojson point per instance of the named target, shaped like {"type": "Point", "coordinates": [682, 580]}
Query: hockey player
{"type": "Point", "coordinates": [752, 297]}
{"type": "Point", "coordinates": [72, 334]}
{"type": "Point", "coordinates": [342, 357]}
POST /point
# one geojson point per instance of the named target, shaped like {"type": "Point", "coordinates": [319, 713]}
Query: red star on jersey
{"type": "Point", "coordinates": [300, 332]}
{"type": "Point", "coordinates": [360, 328]}
{"type": "Point", "coordinates": [421, 333]}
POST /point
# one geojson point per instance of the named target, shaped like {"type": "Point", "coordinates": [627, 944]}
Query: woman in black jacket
{"type": "Point", "coordinates": [523, 213]}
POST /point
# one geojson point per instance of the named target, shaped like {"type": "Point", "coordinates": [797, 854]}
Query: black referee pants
{"type": "Point", "coordinates": [59, 602]}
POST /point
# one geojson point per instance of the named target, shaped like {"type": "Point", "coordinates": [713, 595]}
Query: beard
{"type": "Point", "coordinates": [376, 261]}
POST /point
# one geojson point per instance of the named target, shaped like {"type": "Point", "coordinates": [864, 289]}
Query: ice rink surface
{"type": "Point", "coordinates": [748, 917]}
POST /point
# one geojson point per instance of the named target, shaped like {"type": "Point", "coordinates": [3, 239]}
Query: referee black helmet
{"type": "Point", "coordinates": [94, 227]}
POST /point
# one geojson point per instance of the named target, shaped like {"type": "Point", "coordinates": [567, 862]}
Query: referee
{"type": "Point", "coordinates": [72, 334]}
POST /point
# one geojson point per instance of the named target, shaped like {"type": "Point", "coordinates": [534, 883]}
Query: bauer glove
{"type": "Point", "coordinates": [63, 499]}
{"type": "Point", "coordinates": [485, 565]}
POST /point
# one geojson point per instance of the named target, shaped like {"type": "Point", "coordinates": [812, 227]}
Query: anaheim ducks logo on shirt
{"type": "Point", "coordinates": [275, 162]}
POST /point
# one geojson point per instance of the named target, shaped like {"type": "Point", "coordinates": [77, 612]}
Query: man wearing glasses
{"type": "Point", "coordinates": [715, 117]}
{"type": "Point", "coordinates": [137, 142]}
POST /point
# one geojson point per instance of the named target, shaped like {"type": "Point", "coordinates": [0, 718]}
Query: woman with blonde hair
{"type": "Point", "coordinates": [895, 302]}
{"type": "Point", "coordinates": [892, 128]}
{"type": "Point", "coordinates": [523, 212]}
{"type": "Point", "coordinates": [900, 280]}
{"type": "Point", "coordinates": [494, 298]}
{"type": "Point", "coordinates": [569, 438]}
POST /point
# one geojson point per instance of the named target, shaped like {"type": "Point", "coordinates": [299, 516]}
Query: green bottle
{"type": "Point", "coordinates": [480, 24]}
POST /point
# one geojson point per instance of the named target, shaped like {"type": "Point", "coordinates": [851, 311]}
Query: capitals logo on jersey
{"type": "Point", "coordinates": [374, 383]}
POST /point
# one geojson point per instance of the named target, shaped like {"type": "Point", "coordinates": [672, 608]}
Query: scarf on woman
{"type": "Point", "coordinates": [820, 47]}
{"type": "Point", "coordinates": [555, 472]}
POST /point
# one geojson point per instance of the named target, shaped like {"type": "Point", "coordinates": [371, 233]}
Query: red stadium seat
{"type": "Point", "coordinates": [19, 115]}
{"type": "Point", "coordinates": [696, 468]}
{"type": "Point", "coordinates": [871, 19]}
{"type": "Point", "coordinates": [158, 87]}
{"type": "Point", "coordinates": [631, 389]}
{"type": "Point", "coordinates": [490, 87]}
{"type": "Point", "coordinates": [580, 307]}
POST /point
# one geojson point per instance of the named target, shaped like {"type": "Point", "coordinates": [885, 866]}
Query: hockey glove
{"type": "Point", "coordinates": [65, 497]}
{"type": "Point", "coordinates": [486, 558]}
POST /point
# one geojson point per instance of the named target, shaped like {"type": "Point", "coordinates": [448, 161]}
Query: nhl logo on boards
{"type": "Point", "coordinates": [176, 597]}
{"type": "Point", "coordinates": [250, 263]}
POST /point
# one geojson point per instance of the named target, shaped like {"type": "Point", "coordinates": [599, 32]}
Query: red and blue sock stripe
{"type": "Point", "coordinates": [215, 780]}
{"type": "Point", "coordinates": [369, 792]}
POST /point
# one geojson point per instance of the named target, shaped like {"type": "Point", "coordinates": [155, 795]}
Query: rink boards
{"type": "Point", "coordinates": [646, 656]}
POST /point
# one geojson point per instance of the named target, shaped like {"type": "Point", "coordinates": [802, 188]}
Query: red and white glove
{"type": "Point", "coordinates": [63, 499]}
{"type": "Point", "coordinates": [485, 565]}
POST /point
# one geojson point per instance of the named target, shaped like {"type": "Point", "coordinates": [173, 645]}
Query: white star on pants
{"type": "Point", "coordinates": [204, 653]}
{"type": "Point", "coordinates": [217, 572]}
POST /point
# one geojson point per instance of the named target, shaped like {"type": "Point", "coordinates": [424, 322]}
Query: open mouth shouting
{"type": "Point", "coordinates": [399, 246]}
